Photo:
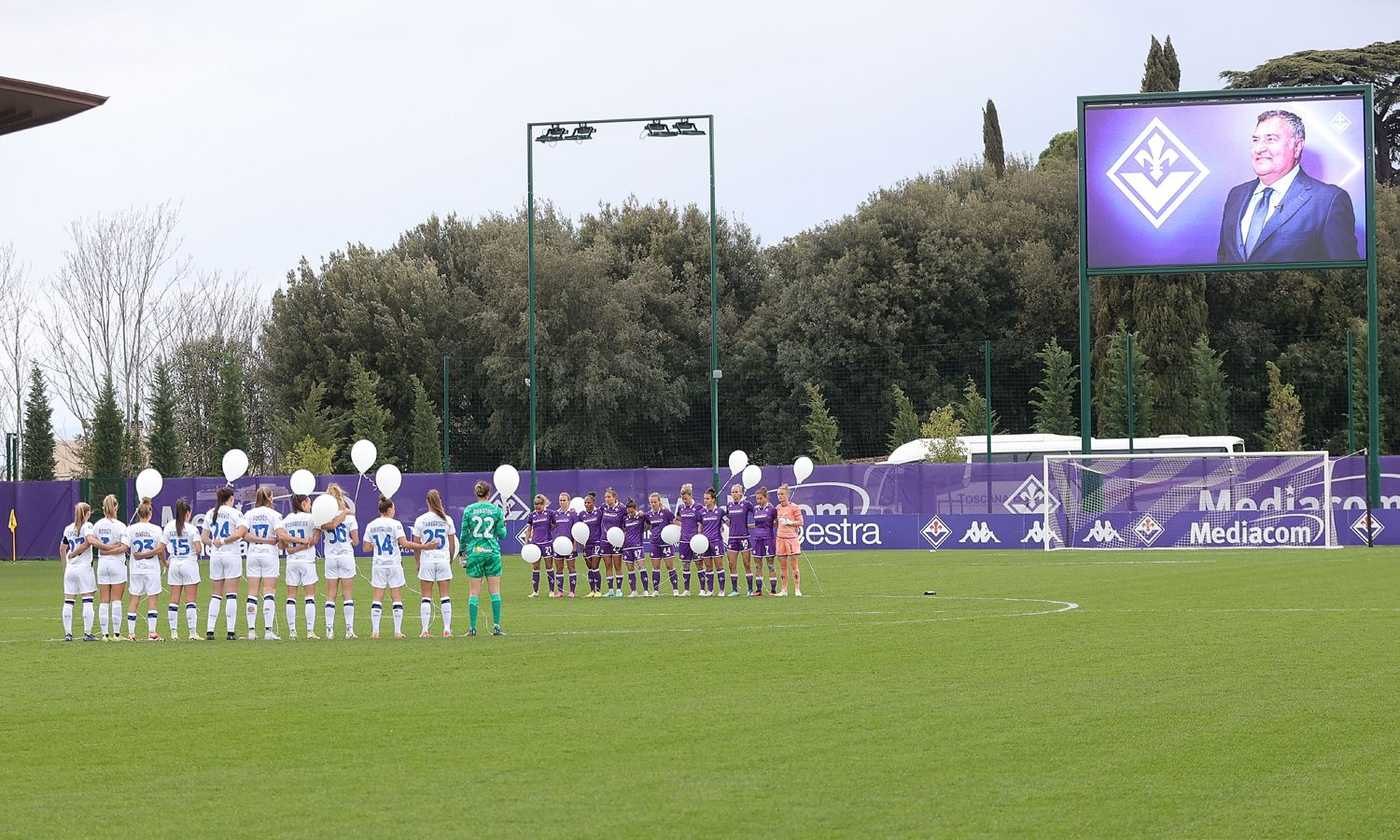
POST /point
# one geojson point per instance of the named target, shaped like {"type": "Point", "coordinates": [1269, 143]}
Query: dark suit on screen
{"type": "Point", "coordinates": [1315, 221]}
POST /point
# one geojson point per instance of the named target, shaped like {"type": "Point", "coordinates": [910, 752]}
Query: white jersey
{"type": "Point", "coordinates": [335, 542]}
{"type": "Point", "coordinates": [383, 534]}
{"type": "Point", "coordinates": [143, 536]}
{"type": "Point", "coordinates": [220, 525]}
{"type": "Point", "coordinates": [300, 525]}
{"type": "Point", "coordinates": [72, 538]}
{"type": "Point", "coordinates": [110, 532]}
{"type": "Point", "coordinates": [264, 523]}
{"type": "Point", "coordinates": [180, 547]}
{"type": "Point", "coordinates": [430, 527]}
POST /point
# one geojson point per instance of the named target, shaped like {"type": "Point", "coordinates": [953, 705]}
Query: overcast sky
{"type": "Point", "coordinates": [289, 128]}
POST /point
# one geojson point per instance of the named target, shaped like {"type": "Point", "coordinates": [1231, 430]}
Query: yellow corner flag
{"type": "Point", "coordinates": [14, 523]}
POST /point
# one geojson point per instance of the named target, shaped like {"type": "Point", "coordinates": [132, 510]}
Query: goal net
{"type": "Point", "coordinates": [1196, 500]}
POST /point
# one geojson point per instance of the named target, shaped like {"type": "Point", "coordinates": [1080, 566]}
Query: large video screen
{"type": "Point", "coordinates": [1237, 182]}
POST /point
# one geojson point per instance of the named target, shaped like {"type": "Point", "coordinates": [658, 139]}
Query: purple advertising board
{"type": "Point", "coordinates": [1260, 180]}
{"type": "Point", "coordinates": [849, 507]}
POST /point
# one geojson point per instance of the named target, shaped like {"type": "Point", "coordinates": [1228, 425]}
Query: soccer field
{"type": "Point", "coordinates": [1109, 694]}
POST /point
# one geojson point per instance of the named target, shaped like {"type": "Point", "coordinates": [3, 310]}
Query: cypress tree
{"type": "Point", "coordinates": [993, 152]}
{"type": "Point", "coordinates": [103, 452]}
{"type": "Point", "coordinates": [823, 436]}
{"type": "Point", "coordinates": [425, 443]}
{"type": "Point", "coordinates": [163, 441]}
{"type": "Point", "coordinates": [368, 419]}
{"type": "Point", "coordinates": [972, 411]}
{"type": "Point", "coordinates": [1053, 400]}
{"type": "Point", "coordinates": [1209, 395]}
{"type": "Point", "coordinates": [1283, 419]}
{"type": "Point", "coordinates": [905, 425]}
{"type": "Point", "coordinates": [1111, 389]}
{"type": "Point", "coordinates": [37, 448]}
{"type": "Point", "coordinates": [1170, 65]}
{"type": "Point", "coordinates": [230, 416]}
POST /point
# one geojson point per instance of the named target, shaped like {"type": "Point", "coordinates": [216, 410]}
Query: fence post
{"type": "Point", "coordinates": [1130, 391]}
{"type": "Point", "coordinates": [1351, 394]}
{"type": "Point", "coordinates": [446, 415]}
{"type": "Point", "coordinates": [987, 390]}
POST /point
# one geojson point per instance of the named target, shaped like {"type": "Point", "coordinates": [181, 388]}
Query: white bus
{"type": "Point", "coordinates": [1034, 447]}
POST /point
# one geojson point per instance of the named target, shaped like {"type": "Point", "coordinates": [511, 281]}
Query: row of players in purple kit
{"type": "Point", "coordinates": [751, 539]}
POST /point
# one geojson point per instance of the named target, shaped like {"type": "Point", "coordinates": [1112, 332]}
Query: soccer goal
{"type": "Point", "coordinates": [1191, 500]}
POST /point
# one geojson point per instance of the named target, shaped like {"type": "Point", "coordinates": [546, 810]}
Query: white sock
{"type": "Point", "coordinates": [291, 608]}
{"type": "Point", "coordinates": [172, 614]}
{"type": "Point", "coordinates": [376, 609]}
{"type": "Point", "coordinates": [425, 613]}
{"type": "Point", "coordinates": [309, 607]}
{"type": "Point", "coordinates": [231, 611]}
{"type": "Point", "coordinates": [131, 624]}
{"type": "Point", "coordinates": [250, 612]}
{"type": "Point", "coordinates": [67, 617]}
{"type": "Point", "coordinates": [87, 616]}
{"type": "Point", "coordinates": [330, 616]}
{"type": "Point", "coordinates": [348, 607]}
{"type": "Point", "coordinates": [213, 617]}
{"type": "Point", "coordinates": [398, 617]}
{"type": "Point", "coordinates": [270, 615]}
{"type": "Point", "coordinates": [445, 604]}
{"type": "Point", "coordinates": [115, 607]}
{"type": "Point", "coordinates": [191, 617]}
{"type": "Point", "coordinates": [151, 617]}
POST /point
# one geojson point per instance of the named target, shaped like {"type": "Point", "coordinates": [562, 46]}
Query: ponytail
{"type": "Point", "coordinates": [264, 497]}
{"type": "Point", "coordinates": [435, 503]}
{"type": "Point", "coordinates": [109, 507]}
{"type": "Point", "coordinates": [223, 497]}
{"type": "Point", "coordinates": [182, 515]}
{"type": "Point", "coordinates": [338, 494]}
{"type": "Point", "coordinates": [81, 512]}
{"type": "Point", "coordinates": [143, 510]}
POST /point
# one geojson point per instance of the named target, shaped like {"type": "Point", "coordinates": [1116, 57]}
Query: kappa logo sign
{"type": "Point", "coordinates": [1036, 534]}
{"type": "Point", "coordinates": [979, 532]}
{"type": "Point", "coordinates": [1102, 532]}
{"type": "Point", "coordinates": [1147, 529]}
{"type": "Point", "coordinates": [935, 532]}
{"type": "Point", "coordinates": [1030, 497]}
{"type": "Point", "coordinates": [1157, 172]}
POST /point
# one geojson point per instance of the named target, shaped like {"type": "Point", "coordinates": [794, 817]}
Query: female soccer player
{"type": "Point", "coordinates": [435, 564]}
{"type": "Point", "coordinates": [110, 541]}
{"type": "Point", "coordinates": [633, 527]}
{"type": "Point", "coordinates": [340, 535]}
{"type": "Point", "coordinates": [75, 549]}
{"type": "Point", "coordinates": [223, 533]}
{"type": "Point", "coordinates": [761, 538]}
{"type": "Point", "coordinates": [182, 549]}
{"type": "Point", "coordinates": [300, 545]}
{"type": "Point", "coordinates": [562, 524]}
{"type": "Point", "coordinates": [789, 544]}
{"type": "Point", "coordinates": [612, 517]}
{"type": "Point", "coordinates": [147, 542]}
{"type": "Point", "coordinates": [483, 528]}
{"type": "Point", "coordinates": [711, 525]}
{"type": "Point", "coordinates": [540, 521]}
{"type": "Point", "coordinates": [688, 514]}
{"type": "Point", "coordinates": [737, 514]}
{"type": "Point", "coordinates": [662, 552]}
{"type": "Point", "coordinates": [593, 550]}
{"type": "Point", "coordinates": [385, 538]}
{"type": "Point", "coordinates": [264, 535]}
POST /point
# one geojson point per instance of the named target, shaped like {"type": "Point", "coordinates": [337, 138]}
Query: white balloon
{"type": "Point", "coordinates": [148, 483]}
{"type": "Point", "coordinates": [530, 553]}
{"type": "Point", "coordinates": [699, 543]}
{"type": "Point", "coordinates": [507, 480]}
{"type": "Point", "coordinates": [563, 546]}
{"type": "Point", "coordinates": [303, 482]}
{"type": "Point", "coordinates": [671, 534]}
{"type": "Point", "coordinates": [324, 508]}
{"type": "Point", "coordinates": [738, 459]}
{"type": "Point", "coordinates": [388, 478]}
{"type": "Point", "coordinates": [363, 454]}
{"type": "Point", "coordinates": [616, 537]}
{"type": "Point", "coordinates": [576, 504]}
{"type": "Point", "coordinates": [235, 464]}
{"type": "Point", "coordinates": [753, 474]}
{"type": "Point", "coordinates": [802, 468]}
{"type": "Point", "coordinates": [580, 532]}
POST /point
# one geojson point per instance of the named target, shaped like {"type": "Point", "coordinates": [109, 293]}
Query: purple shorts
{"type": "Point", "coordinates": [632, 555]}
{"type": "Point", "coordinates": [715, 550]}
{"type": "Point", "coordinates": [738, 544]}
{"type": "Point", "coordinates": [660, 550]}
{"type": "Point", "coordinates": [598, 549]}
{"type": "Point", "coordinates": [546, 549]}
{"type": "Point", "coordinates": [684, 549]}
{"type": "Point", "coordinates": [762, 546]}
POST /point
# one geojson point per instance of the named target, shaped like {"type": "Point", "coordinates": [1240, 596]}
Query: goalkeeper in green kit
{"type": "Point", "coordinates": [483, 528]}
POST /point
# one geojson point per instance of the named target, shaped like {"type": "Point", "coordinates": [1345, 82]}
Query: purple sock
{"type": "Point", "coordinates": [704, 580]}
{"type": "Point", "coordinates": [774, 589]}
{"type": "Point", "coordinates": [632, 580]}
{"type": "Point", "coordinates": [573, 582]}
{"type": "Point", "coordinates": [656, 580]}
{"type": "Point", "coordinates": [748, 583]}
{"type": "Point", "coordinates": [687, 577]}
{"type": "Point", "coordinates": [646, 580]}
{"type": "Point", "coordinates": [535, 580]}
{"type": "Point", "coordinates": [734, 581]}
{"type": "Point", "coordinates": [550, 574]}
{"type": "Point", "coordinates": [675, 582]}
{"type": "Point", "coordinates": [720, 575]}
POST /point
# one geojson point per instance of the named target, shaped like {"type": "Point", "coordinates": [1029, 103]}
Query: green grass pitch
{"type": "Point", "coordinates": [1184, 694]}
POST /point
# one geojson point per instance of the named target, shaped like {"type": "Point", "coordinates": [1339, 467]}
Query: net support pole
{"type": "Point", "coordinates": [446, 439]}
{"type": "Point", "coordinates": [1373, 327]}
{"type": "Point", "coordinates": [1129, 390]}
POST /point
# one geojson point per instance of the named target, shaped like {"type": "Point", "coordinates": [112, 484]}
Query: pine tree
{"type": "Point", "coordinates": [823, 436]}
{"type": "Point", "coordinates": [308, 454]}
{"type": "Point", "coordinates": [1171, 65]}
{"type": "Point", "coordinates": [1209, 395]}
{"type": "Point", "coordinates": [37, 450]}
{"type": "Point", "coordinates": [972, 411]}
{"type": "Point", "coordinates": [942, 429]}
{"type": "Point", "coordinates": [993, 152]}
{"type": "Point", "coordinates": [905, 425]}
{"type": "Point", "coordinates": [425, 443]}
{"type": "Point", "coordinates": [1283, 419]}
{"type": "Point", "coordinates": [230, 416]}
{"type": "Point", "coordinates": [310, 418]}
{"type": "Point", "coordinates": [133, 447]}
{"type": "Point", "coordinates": [1053, 399]}
{"type": "Point", "coordinates": [103, 452]}
{"type": "Point", "coordinates": [163, 441]}
{"type": "Point", "coordinates": [1111, 389]}
{"type": "Point", "coordinates": [1156, 75]}
{"type": "Point", "coordinates": [368, 419]}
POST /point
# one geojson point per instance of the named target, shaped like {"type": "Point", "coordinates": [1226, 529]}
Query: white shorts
{"type": "Point", "coordinates": [301, 574]}
{"type": "Point", "coordinates": [224, 568]}
{"type": "Point", "coordinates": [386, 577]}
{"type": "Point", "coordinates": [79, 580]}
{"type": "Point", "coordinates": [183, 573]}
{"type": "Point", "coordinates": [111, 570]}
{"type": "Point", "coordinates": [144, 583]}
{"type": "Point", "coordinates": [340, 568]}
{"type": "Point", "coordinates": [432, 570]}
{"type": "Point", "coordinates": [263, 566]}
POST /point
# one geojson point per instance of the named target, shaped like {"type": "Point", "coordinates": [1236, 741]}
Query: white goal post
{"type": "Point", "coordinates": [1189, 500]}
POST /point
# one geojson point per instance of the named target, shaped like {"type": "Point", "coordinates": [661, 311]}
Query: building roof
{"type": "Point", "coordinates": [30, 104]}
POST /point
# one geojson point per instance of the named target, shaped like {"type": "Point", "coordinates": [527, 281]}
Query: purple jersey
{"type": "Point", "coordinates": [594, 520]}
{"type": "Point", "coordinates": [539, 526]}
{"type": "Point", "coordinates": [563, 523]}
{"type": "Point", "coordinates": [737, 513]}
{"type": "Point", "coordinates": [656, 520]}
{"type": "Point", "coordinates": [632, 528]}
{"type": "Point", "coordinates": [710, 520]}
{"type": "Point", "coordinates": [763, 518]}
{"type": "Point", "coordinates": [689, 517]}
{"type": "Point", "coordinates": [612, 517]}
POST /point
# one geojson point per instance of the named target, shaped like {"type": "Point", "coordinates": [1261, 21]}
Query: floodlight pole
{"type": "Point", "coordinates": [714, 319]}
{"type": "Point", "coordinates": [530, 294]}
{"type": "Point", "coordinates": [1373, 327]}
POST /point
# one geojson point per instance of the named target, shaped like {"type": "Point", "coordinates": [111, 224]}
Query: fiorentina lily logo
{"type": "Point", "coordinates": [1147, 529]}
{"type": "Point", "coordinates": [1157, 172]}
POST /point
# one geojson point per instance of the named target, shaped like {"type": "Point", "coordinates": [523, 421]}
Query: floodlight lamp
{"type": "Point", "coordinates": [553, 134]}
{"type": "Point", "coordinates": [687, 129]}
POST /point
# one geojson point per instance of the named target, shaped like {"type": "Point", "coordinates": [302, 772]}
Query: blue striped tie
{"type": "Point", "coordinates": [1256, 222]}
